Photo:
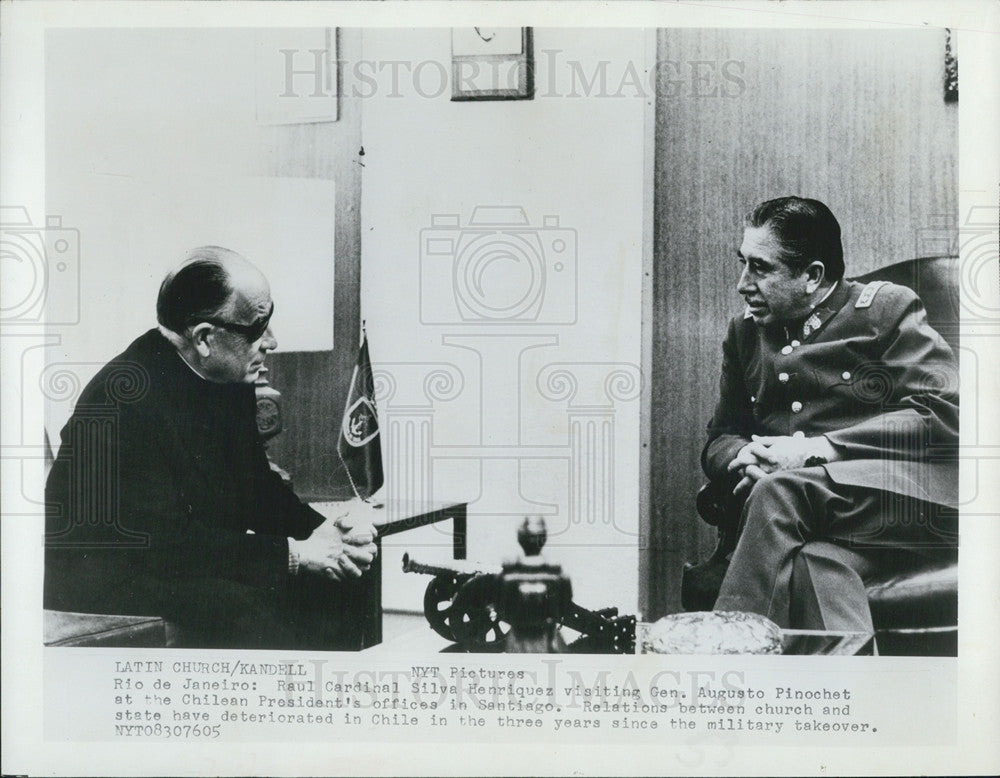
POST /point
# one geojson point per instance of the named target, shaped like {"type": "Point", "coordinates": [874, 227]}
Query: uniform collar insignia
{"type": "Point", "coordinates": [827, 307]}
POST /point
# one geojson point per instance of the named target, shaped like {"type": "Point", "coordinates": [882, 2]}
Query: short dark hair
{"type": "Point", "coordinates": [199, 288]}
{"type": "Point", "coordinates": [806, 229]}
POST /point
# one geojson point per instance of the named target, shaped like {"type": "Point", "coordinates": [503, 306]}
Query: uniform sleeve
{"type": "Point", "coordinates": [732, 422]}
{"type": "Point", "coordinates": [913, 388]}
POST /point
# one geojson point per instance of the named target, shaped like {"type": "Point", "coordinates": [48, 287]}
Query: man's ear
{"type": "Point", "coordinates": [815, 273]}
{"type": "Point", "coordinates": [199, 338]}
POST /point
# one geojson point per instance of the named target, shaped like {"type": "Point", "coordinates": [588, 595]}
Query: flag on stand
{"type": "Point", "coordinates": [359, 446]}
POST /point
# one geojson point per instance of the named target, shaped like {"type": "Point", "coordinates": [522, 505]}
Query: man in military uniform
{"type": "Point", "coordinates": [837, 422]}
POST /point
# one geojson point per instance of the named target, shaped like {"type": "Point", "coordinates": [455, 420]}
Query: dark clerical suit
{"type": "Point", "coordinates": [867, 371]}
{"type": "Point", "coordinates": [161, 501]}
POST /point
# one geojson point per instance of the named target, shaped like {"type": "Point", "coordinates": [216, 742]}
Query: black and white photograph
{"type": "Point", "coordinates": [560, 394]}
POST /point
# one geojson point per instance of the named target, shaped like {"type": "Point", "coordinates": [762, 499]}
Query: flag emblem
{"type": "Point", "coordinates": [360, 422]}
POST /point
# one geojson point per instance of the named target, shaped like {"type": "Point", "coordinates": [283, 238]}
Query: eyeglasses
{"type": "Point", "coordinates": [252, 332]}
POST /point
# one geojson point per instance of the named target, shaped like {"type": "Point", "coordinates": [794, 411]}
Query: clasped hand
{"type": "Point", "coordinates": [337, 549]}
{"type": "Point", "coordinates": [768, 453]}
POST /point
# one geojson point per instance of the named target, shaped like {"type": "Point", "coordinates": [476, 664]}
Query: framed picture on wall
{"type": "Point", "coordinates": [492, 63]}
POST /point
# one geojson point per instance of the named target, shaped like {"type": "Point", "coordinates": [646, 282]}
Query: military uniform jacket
{"type": "Point", "coordinates": [866, 370]}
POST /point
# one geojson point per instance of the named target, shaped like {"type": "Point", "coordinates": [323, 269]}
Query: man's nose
{"type": "Point", "coordinates": [269, 342]}
{"type": "Point", "coordinates": [743, 286]}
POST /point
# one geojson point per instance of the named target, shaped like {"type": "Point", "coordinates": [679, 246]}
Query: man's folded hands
{"type": "Point", "coordinates": [337, 549]}
{"type": "Point", "coordinates": [767, 453]}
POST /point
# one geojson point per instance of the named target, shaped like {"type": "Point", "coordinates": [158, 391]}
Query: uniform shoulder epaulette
{"type": "Point", "coordinates": [868, 293]}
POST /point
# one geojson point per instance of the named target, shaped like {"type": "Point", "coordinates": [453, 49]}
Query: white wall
{"type": "Point", "coordinates": [574, 157]}
{"type": "Point", "coordinates": [152, 148]}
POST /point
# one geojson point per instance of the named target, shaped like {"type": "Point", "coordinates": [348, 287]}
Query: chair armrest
{"type": "Point", "coordinates": [716, 504]}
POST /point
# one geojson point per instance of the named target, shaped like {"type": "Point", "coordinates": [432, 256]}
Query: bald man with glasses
{"type": "Point", "coordinates": [162, 502]}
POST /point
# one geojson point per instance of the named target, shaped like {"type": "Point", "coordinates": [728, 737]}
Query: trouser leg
{"type": "Point", "coordinates": [827, 589]}
{"type": "Point", "coordinates": [786, 513]}
{"type": "Point", "coordinates": [774, 528]}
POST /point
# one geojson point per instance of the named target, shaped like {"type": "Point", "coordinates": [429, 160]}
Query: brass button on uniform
{"type": "Point", "coordinates": [846, 375]}
{"type": "Point", "coordinates": [783, 377]}
{"type": "Point", "coordinates": [796, 406]}
{"type": "Point", "coordinates": [786, 350]}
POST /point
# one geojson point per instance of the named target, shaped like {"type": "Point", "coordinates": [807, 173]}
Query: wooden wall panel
{"type": "Point", "coordinates": [314, 384]}
{"type": "Point", "coordinates": [855, 119]}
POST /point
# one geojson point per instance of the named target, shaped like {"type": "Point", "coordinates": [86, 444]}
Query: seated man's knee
{"type": "Point", "coordinates": [780, 498]}
{"type": "Point", "coordinates": [777, 485]}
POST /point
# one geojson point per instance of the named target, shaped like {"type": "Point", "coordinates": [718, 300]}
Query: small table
{"type": "Point", "coordinates": [390, 519]}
